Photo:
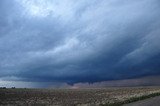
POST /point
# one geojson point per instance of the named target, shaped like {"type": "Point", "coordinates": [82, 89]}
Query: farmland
{"type": "Point", "coordinates": [72, 97]}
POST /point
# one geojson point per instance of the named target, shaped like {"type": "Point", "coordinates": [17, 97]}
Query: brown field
{"type": "Point", "coordinates": [71, 97]}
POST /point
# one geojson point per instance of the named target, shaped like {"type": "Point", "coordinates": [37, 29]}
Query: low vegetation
{"type": "Point", "coordinates": [132, 99]}
{"type": "Point", "coordinates": [75, 97]}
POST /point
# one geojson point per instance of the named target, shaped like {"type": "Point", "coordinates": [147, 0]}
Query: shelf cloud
{"type": "Point", "coordinates": [80, 41]}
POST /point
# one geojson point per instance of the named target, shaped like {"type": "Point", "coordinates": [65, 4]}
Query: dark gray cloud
{"type": "Point", "coordinates": [79, 41]}
{"type": "Point", "coordinates": [143, 81]}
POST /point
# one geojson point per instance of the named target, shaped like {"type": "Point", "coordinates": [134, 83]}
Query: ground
{"type": "Point", "coordinates": [72, 97]}
{"type": "Point", "coordinates": [153, 101]}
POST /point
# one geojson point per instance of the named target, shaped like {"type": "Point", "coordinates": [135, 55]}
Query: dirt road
{"type": "Point", "coordinates": [155, 101]}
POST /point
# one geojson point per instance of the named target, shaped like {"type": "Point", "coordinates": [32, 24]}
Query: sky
{"type": "Point", "coordinates": [56, 42]}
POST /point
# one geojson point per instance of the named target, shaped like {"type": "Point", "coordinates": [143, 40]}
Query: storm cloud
{"type": "Point", "coordinates": [79, 41]}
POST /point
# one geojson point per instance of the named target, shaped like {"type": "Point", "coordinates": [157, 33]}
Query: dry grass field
{"type": "Point", "coordinates": [71, 97]}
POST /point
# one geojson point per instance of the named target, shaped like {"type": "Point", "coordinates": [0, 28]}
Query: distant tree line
{"type": "Point", "coordinates": [6, 88]}
{"type": "Point", "coordinates": [2, 87]}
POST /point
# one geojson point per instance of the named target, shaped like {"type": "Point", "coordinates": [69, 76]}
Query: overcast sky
{"type": "Point", "coordinates": [78, 41]}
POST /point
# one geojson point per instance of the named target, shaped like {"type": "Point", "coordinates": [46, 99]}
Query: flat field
{"type": "Point", "coordinates": [71, 97]}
